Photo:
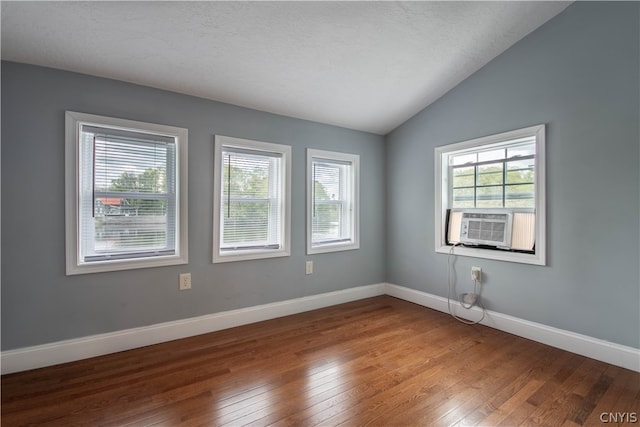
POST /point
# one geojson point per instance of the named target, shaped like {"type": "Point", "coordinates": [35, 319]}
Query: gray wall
{"type": "Point", "coordinates": [579, 75]}
{"type": "Point", "coordinates": [41, 305]}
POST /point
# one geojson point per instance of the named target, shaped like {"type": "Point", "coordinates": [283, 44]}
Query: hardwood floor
{"type": "Point", "coordinates": [378, 362]}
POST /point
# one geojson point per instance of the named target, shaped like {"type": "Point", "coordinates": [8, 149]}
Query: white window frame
{"type": "Point", "coordinates": [284, 151]}
{"type": "Point", "coordinates": [74, 262]}
{"type": "Point", "coordinates": [442, 196]}
{"type": "Point", "coordinates": [351, 204]}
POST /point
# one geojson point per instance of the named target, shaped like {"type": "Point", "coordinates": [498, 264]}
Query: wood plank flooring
{"type": "Point", "coordinates": [374, 362]}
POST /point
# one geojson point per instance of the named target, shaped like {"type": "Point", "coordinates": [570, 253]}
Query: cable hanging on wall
{"type": "Point", "coordinates": [467, 300]}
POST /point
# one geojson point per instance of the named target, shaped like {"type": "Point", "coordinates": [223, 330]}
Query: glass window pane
{"type": "Point", "coordinates": [463, 177]}
{"type": "Point", "coordinates": [521, 150]}
{"type": "Point", "coordinates": [497, 154]}
{"type": "Point", "coordinates": [463, 198]}
{"type": "Point", "coordinates": [133, 198]}
{"type": "Point", "coordinates": [129, 206]}
{"type": "Point", "coordinates": [520, 196]}
{"type": "Point", "coordinates": [490, 174]}
{"type": "Point", "coordinates": [130, 165]}
{"type": "Point", "coordinates": [250, 209]}
{"type": "Point", "coordinates": [521, 164]}
{"type": "Point", "coordinates": [329, 194]}
{"type": "Point", "coordinates": [245, 222]}
{"type": "Point", "coordinates": [326, 221]}
{"type": "Point", "coordinates": [245, 175]}
{"type": "Point", "coordinates": [130, 224]}
{"type": "Point", "coordinates": [520, 176]}
{"type": "Point", "coordinates": [489, 197]}
{"type": "Point", "coordinates": [463, 159]}
{"type": "Point", "coordinates": [329, 181]}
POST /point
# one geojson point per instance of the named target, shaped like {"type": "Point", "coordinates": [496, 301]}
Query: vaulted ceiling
{"type": "Point", "coordinates": [362, 65]}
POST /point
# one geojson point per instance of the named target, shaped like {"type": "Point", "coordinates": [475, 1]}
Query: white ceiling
{"type": "Point", "coordinates": [362, 65]}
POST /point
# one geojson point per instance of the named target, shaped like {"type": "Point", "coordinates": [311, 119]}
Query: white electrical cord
{"type": "Point", "coordinates": [475, 291]}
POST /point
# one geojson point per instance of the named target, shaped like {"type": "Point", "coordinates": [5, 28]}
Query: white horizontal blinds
{"type": "Point", "coordinates": [330, 217]}
{"type": "Point", "coordinates": [499, 176]}
{"type": "Point", "coordinates": [251, 200]}
{"type": "Point", "coordinates": [128, 203]}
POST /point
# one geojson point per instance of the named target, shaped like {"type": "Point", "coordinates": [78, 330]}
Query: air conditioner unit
{"type": "Point", "coordinates": [486, 227]}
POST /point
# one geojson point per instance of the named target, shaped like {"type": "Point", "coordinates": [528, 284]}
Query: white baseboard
{"type": "Point", "coordinates": [615, 354]}
{"type": "Point", "coordinates": [97, 345]}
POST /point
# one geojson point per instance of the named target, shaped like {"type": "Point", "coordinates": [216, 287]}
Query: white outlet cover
{"type": "Point", "coordinates": [185, 281]}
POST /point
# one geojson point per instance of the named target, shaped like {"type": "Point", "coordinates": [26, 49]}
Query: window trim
{"type": "Point", "coordinates": [74, 265]}
{"type": "Point", "coordinates": [442, 197]}
{"type": "Point", "coordinates": [354, 161]}
{"type": "Point", "coordinates": [284, 151]}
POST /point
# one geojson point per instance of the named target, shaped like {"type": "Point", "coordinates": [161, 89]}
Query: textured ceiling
{"type": "Point", "coordinates": [362, 65]}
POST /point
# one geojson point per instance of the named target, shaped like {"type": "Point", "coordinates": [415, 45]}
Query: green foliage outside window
{"type": "Point", "coordinates": [488, 186]}
{"type": "Point", "coordinates": [326, 214]}
{"type": "Point", "coordinates": [152, 180]}
{"type": "Point", "coordinates": [245, 204]}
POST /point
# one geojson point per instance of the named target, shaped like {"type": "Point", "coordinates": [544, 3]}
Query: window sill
{"type": "Point", "coordinates": [523, 258]}
{"type": "Point", "coordinates": [332, 248]}
{"type": "Point", "coordinates": [245, 255]}
{"type": "Point", "coordinates": [132, 264]}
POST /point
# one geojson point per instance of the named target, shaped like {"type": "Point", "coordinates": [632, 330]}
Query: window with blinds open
{"type": "Point", "coordinates": [251, 200]}
{"type": "Point", "coordinates": [332, 201]}
{"type": "Point", "coordinates": [128, 210]}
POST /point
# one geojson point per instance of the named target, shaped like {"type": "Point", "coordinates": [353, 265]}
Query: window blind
{"type": "Point", "coordinates": [128, 194]}
{"type": "Point", "coordinates": [251, 200]}
{"type": "Point", "coordinates": [330, 202]}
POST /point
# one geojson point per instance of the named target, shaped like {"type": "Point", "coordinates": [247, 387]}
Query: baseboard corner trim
{"type": "Point", "coordinates": [55, 353]}
{"type": "Point", "coordinates": [39, 356]}
{"type": "Point", "coordinates": [605, 351]}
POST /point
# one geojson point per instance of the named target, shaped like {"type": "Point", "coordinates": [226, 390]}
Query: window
{"type": "Point", "coordinates": [251, 199]}
{"type": "Point", "coordinates": [494, 175]}
{"type": "Point", "coordinates": [332, 201]}
{"type": "Point", "coordinates": [499, 177]}
{"type": "Point", "coordinates": [126, 194]}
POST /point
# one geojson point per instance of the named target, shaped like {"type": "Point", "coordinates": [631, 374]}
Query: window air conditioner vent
{"type": "Point", "coordinates": [486, 227]}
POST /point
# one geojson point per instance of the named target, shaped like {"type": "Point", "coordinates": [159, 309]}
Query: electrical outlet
{"type": "Point", "coordinates": [309, 267]}
{"type": "Point", "coordinates": [476, 274]}
{"type": "Point", "coordinates": [185, 281]}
